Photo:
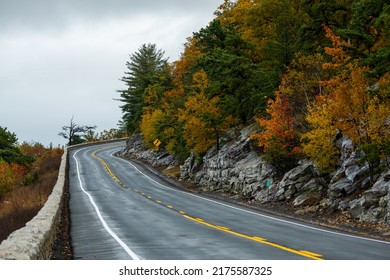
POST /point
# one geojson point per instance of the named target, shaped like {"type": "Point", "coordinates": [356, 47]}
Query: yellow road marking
{"type": "Point", "coordinates": [311, 253]}
{"type": "Point", "coordinates": [257, 239]}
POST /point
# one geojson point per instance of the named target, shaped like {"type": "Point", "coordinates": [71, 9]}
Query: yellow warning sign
{"type": "Point", "coordinates": [157, 142]}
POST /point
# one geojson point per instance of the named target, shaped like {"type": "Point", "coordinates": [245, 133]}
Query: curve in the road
{"type": "Point", "coordinates": [304, 253]}
{"type": "Point", "coordinates": [213, 223]}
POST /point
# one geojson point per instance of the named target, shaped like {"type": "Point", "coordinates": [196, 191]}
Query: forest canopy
{"type": "Point", "coordinates": [307, 71]}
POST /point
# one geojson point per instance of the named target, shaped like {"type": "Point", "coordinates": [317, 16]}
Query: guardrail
{"type": "Point", "coordinates": [35, 240]}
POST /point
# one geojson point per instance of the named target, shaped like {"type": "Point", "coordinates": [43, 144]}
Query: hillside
{"type": "Point", "coordinates": [313, 80]}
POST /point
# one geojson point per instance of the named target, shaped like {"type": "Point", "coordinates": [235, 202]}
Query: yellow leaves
{"type": "Point", "coordinates": [151, 96]}
{"type": "Point", "coordinates": [348, 108]}
{"type": "Point", "coordinates": [148, 125]}
{"type": "Point", "coordinates": [318, 143]}
{"type": "Point", "coordinates": [378, 121]}
{"type": "Point", "coordinates": [201, 117]}
{"type": "Point", "coordinates": [384, 86]}
{"type": "Point", "coordinates": [200, 81]}
{"type": "Point", "coordinates": [196, 134]}
{"type": "Point", "coordinates": [190, 55]}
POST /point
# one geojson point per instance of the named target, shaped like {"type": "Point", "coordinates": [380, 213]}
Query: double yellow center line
{"type": "Point", "coordinates": [257, 239]}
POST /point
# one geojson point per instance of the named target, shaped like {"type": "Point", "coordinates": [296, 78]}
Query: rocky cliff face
{"type": "Point", "coordinates": [237, 169]}
{"type": "Point", "coordinates": [137, 149]}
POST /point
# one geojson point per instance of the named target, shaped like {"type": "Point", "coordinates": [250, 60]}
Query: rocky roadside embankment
{"type": "Point", "coordinates": [343, 199]}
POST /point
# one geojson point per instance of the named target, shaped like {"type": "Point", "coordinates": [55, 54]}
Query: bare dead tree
{"type": "Point", "coordinates": [73, 132]}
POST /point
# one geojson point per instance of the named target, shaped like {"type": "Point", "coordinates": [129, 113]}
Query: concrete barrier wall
{"type": "Point", "coordinates": [35, 240]}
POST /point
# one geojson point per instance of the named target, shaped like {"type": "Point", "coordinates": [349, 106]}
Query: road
{"type": "Point", "coordinates": [123, 210]}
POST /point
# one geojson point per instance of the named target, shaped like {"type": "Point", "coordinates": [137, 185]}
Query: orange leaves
{"type": "Point", "coordinates": [336, 51]}
{"type": "Point", "coordinates": [279, 139]}
{"type": "Point", "coordinates": [11, 176]}
{"type": "Point", "coordinates": [352, 106]}
{"type": "Point", "coordinates": [348, 108]}
{"type": "Point", "coordinates": [190, 55]}
{"type": "Point", "coordinates": [280, 124]}
{"type": "Point", "coordinates": [377, 117]}
{"type": "Point", "coordinates": [314, 104]}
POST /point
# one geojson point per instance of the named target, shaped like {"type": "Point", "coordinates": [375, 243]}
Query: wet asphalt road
{"type": "Point", "coordinates": [123, 210]}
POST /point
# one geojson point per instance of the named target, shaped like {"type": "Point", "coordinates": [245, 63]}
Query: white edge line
{"type": "Point", "coordinates": [255, 213]}
{"type": "Point", "coordinates": [106, 227]}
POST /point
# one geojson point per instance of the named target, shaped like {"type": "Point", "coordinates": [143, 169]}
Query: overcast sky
{"type": "Point", "coordinates": [63, 58]}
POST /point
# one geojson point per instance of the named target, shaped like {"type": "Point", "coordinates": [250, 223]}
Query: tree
{"type": "Point", "coordinates": [235, 77]}
{"type": "Point", "coordinates": [9, 151]}
{"type": "Point", "coordinates": [149, 125]}
{"type": "Point", "coordinates": [279, 138]}
{"type": "Point", "coordinates": [11, 175]}
{"type": "Point", "coordinates": [202, 119]}
{"type": "Point", "coordinates": [170, 129]}
{"type": "Point", "coordinates": [112, 133]}
{"type": "Point", "coordinates": [145, 68]}
{"type": "Point", "coordinates": [319, 142]}
{"type": "Point", "coordinates": [90, 135]}
{"type": "Point", "coordinates": [333, 13]}
{"type": "Point", "coordinates": [369, 34]}
{"type": "Point", "coordinates": [74, 132]}
{"type": "Point", "coordinates": [349, 108]}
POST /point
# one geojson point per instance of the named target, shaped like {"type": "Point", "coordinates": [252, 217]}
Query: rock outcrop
{"type": "Point", "coordinates": [373, 206]}
{"type": "Point", "coordinates": [137, 149]}
{"type": "Point", "coordinates": [236, 168]}
{"type": "Point", "coordinates": [351, 176]}
{"type": "Point", "coordinates": [302, 184]}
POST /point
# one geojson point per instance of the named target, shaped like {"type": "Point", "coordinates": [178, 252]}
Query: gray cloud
{"type": "Point", "coordinates": [53, 14]}
{"type": "Point", "coordinates": [64, 58]}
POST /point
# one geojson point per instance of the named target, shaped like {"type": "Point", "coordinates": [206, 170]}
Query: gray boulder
{"type": "Point", "coordinates": [374, 204]}
{"type": "Point", "coordinates": [302, 183]}
{"type": "Point", "coordinates": [351, 175]}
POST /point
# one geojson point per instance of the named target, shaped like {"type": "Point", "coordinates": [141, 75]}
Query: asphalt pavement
{"type": "Point", "coordinates": [121, 209]}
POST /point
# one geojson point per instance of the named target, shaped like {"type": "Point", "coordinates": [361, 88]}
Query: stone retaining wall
{"type": "Point", "coordinates": [35, 240]}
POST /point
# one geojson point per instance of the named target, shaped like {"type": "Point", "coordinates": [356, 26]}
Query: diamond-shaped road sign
{"type": "Point", "coordinates": [157, 142]}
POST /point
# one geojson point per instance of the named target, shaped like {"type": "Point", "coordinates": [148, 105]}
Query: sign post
{"type": "Point", "coordinates": [156, 144]}
{"type": "Point", "coordinates": [268, 186]}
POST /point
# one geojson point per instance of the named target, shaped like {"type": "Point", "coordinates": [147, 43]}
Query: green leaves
{"type": "Point", "coordinates": [271, 59]}
{"type": "Point", "coordinates": [146, 67]}
{"type": "Point", "coordinates": [9, 150]}
{"type": "Point", "coordinates": [235, 77]}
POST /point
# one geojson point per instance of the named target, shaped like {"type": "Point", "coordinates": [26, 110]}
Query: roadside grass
{"type": "Point", "coordinates": [20, 205]}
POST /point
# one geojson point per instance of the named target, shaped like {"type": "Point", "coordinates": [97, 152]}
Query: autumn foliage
{"type": "Point", "coordinates": [279, 138]}
{"type": "Point", "coordinates": [308, 73]}
{"type": "Point", "coordinates": [349, 108]}
{"type": "Point", "coordinates": [11, 175]}
{"type": "Point", "coordinates": [341, 104]}
{"type": "Point", "coordinates": [202, 119]}
{"type": "Point", "coordinates": [26, 180]}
